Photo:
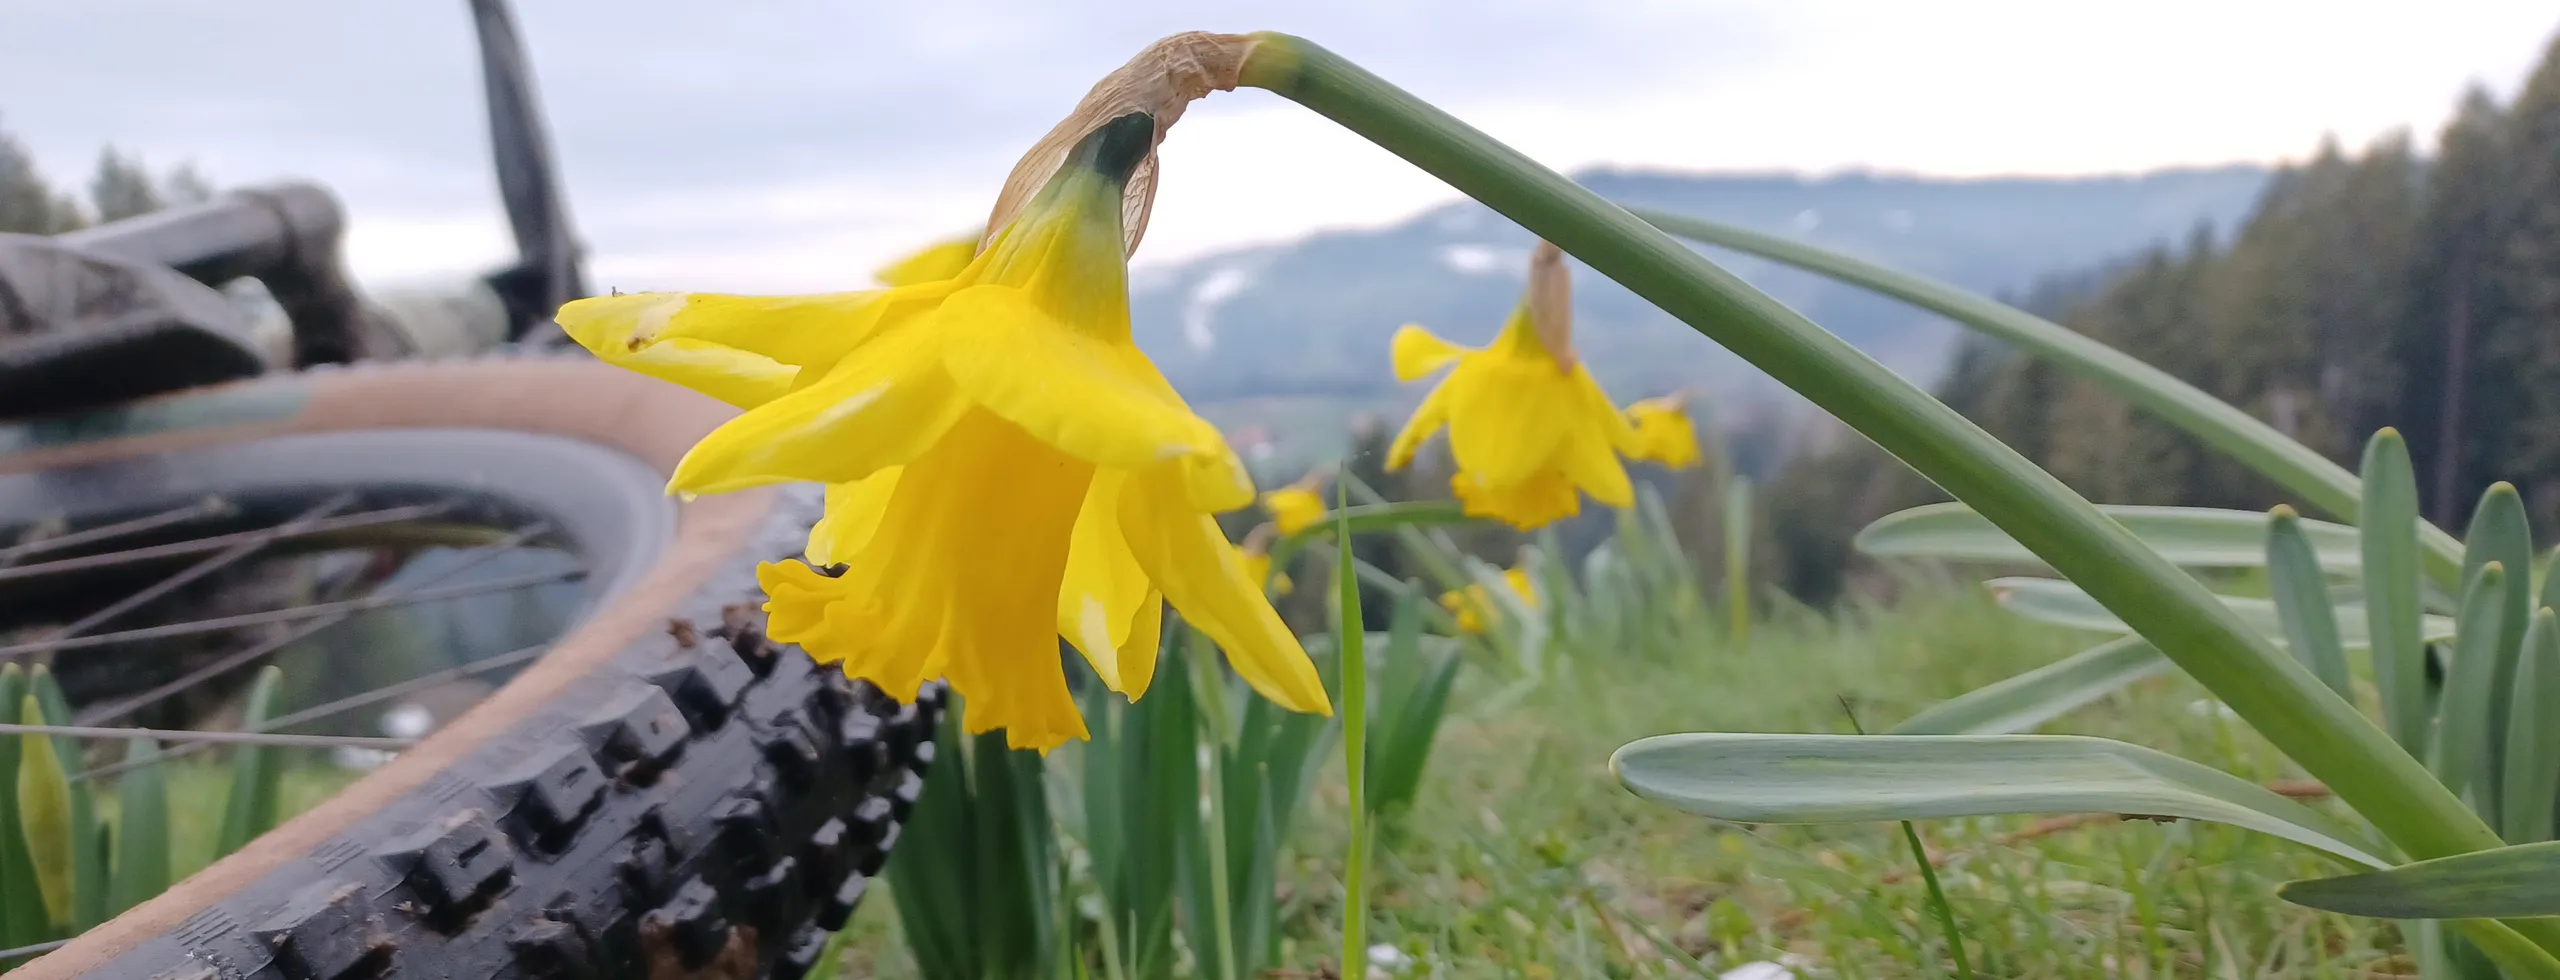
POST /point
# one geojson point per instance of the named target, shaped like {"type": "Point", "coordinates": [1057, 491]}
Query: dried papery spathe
{"type": "Point", "coordinates": [1550, 301]}
{"type": "Point", "coordinates": [1161, 81]}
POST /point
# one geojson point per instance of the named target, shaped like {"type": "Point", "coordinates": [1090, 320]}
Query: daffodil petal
{"type": "Point", "coordinates": [933, 263]}
{"type": "Point", "coordinates": [852, 513]}
{"type": "Point", "coordinates": [1591, 465]}
{"type": "Point", "coordinates": [1418, 352]}
{"type": "Point", "coordinates": [1543, 499]}
{"type": "Point", "coordinates": [606, 327]}
{"type": "Point", "coordinates": [881, 406]}
{"type": "Point", "coordinates": [1204, 577]}
{"type": "Point", "coordinates": [1104, 588]}
{"type": "Point", "coordinates": [1427, 419]}
{"type": "Point", "coordinates": [1138, 653]}
{"type": "Point", "coordinates": [962, 578]}
{"type": "Point", "coordinates": [1080, 393]}
{"type": "Point", "coordinates": [807, 331]}
{"type": "Point", "coordinates": [796, 599]}
{"type": "Point", "coordinates": [1507, 416]}
{"type": "Point", "coordinates": [734, 376]}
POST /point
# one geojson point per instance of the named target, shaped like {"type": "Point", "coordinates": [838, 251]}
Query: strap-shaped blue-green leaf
{"type": "Point", "coordinates": [2462, 720]}
{"type": "Point", "coordinates": [142, 830]}
{"type": "Point", "coordinates": [2530, 786]}
{"type": "Point", "coordinates": [1753, 778]}
{"type": "Point", "coordinates": [2196, 537]}
{"type": "Point", "coordinates": [2304, 607]}
{"type": "Point", "coordinates": [88, 866]}
{"type": "Point", "coordinates": [2063, 604]}
{"type": "Point", "coordinates": [44, 817]}
{"type": "Point", "coordinates": [257, 772]}
{"type": "Point", "coordinates": [2030, 699]}
{"type": "Point", "coordinates": [21, 901]}
{"type": "Point", "coordinates": [2388, 522]}
{"type": "Point", "coordinates": [2501, 883]}
{"type": "Point", "coordinates": [2498, 533]}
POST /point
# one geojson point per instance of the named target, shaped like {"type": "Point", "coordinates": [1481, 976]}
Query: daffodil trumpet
{"type": "Point", "coordinates": [1004, 466]}
{"type": "Point", "coordinates": [1529, 428]}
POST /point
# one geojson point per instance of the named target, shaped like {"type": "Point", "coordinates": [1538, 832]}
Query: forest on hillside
{"type": "Point", "coordinates": [2382, 287]}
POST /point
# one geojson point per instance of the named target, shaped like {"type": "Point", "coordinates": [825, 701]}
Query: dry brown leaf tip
{"type": "Point", "coordinates": [1550, 300]}
{"type": "Point", "coordinates": [1162, 80]}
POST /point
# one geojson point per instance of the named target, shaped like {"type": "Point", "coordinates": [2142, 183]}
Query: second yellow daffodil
{"type": "Point", "coordinates": [1529, 427]}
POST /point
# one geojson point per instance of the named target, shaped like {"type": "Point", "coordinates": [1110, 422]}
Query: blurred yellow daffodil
{"type": "Point", "coordinates": [1473, 605]}
{"type": "Point", "coordinates": [1256, 554]}
{"type": "Point", "coordinates": [1298, 506]}
{"type": "Point", "coordinates": [1527, 424]}
{"type": "Point", "coordinates": [1664, 433]}
{"type": "Point", "coordinates": [1004, 466]}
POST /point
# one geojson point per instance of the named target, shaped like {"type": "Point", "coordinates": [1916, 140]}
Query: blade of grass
{"type": "Point", "coordinates": [1938, 900]}
{"type": "Point", "coordinates": [1351, 638]}
{"type": "Point", "coordinates": [2303, 603]}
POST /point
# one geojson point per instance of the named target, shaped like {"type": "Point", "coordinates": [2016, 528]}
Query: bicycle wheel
{"type": "Point", "coordinates": [661, 789]}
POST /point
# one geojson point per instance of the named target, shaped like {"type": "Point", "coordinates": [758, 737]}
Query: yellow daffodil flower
{"type": "Point", "coordinates": [1664, 433]}
{"type": "Point", "coordinates": [1298, 506]}
{"type": "Point", "coordinates": [696, 339]}
{"type": "Point", "coordinates": [1473, 605]}
{"type": "Point", "coordinates": [1004, 467]}
{"type": "Point", "coordinates": [934, 264]}
{"type": "Point", "coordinates": [1257, 567]}
{"type": "Point", "coordinates": [1528, 425]}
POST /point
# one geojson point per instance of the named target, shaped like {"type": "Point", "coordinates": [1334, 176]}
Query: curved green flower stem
{"type": "Point", "coordinates": [2279, 697]}
{"type": "Point", "coordinates": [2292, 465]}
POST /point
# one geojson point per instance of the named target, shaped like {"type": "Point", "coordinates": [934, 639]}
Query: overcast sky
{"type": "Point", "coordinates": [786, 145]}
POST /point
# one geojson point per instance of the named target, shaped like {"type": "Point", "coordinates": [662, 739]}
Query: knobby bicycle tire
{"type": "Point", "coordinates": [665, 793]}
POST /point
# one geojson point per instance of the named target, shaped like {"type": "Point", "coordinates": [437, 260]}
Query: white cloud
{"type": "Point", "coordinates": [795, 146]}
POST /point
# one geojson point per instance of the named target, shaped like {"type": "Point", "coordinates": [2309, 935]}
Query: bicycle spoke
{"type": "Point", "coordinates": [388, 515]}
{"type": "Point", "coordinates": [207, 508]}
{"type": "Point", "coordinates": [342, 705]}
{"type": "Point", "coordinates": [338, 610]}
{"type": "Point", "coordinates": [216, 562]}
{"type": "Point", "coordinates": [221, 738]}
{"type": "Point", "coordinates": [254, 652]}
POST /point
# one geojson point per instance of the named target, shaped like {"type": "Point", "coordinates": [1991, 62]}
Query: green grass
{"type": "Point", "coordinates": [199, 792]}
{"type": "Point", "coordinates": [1524, 858]}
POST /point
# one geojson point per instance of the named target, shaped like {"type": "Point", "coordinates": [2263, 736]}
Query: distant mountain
{"type": "Point", "coordinates": [1249, 333]}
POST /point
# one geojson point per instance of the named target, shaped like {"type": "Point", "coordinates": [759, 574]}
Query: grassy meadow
{"type": "Point", "coordinates": [1522, 856]}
